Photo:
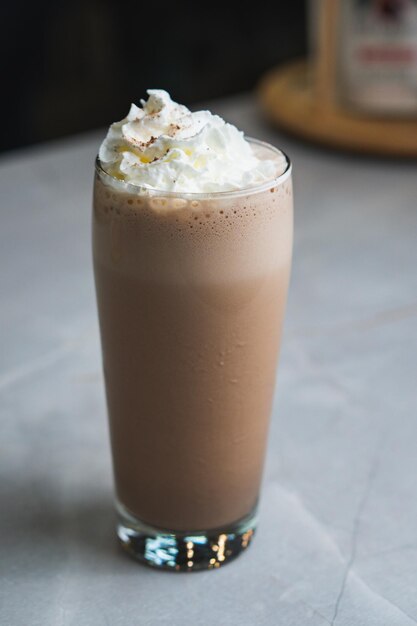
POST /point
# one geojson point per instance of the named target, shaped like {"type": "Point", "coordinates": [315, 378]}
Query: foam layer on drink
{"type": "Point", "coordinates": [165, 146]}
{"type": "Point", "coordinates": [187, 240]}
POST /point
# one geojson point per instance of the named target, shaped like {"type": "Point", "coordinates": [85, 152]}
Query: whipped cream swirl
{"type": "Point", "coordinates": [166, 147]}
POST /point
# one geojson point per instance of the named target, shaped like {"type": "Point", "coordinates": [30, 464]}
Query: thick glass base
{"type": "Point", "coordinates": [183, 551]}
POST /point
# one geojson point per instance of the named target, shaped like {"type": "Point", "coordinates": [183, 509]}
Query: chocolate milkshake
{"type": "Point", "coordinates": [192, 239]}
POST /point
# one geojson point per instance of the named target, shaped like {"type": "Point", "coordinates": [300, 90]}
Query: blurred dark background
{"type": "Point", "coordinates": [72, 66]}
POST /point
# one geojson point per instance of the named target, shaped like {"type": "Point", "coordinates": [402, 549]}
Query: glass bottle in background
{"type": "Point", "coordinates": [377, 57]}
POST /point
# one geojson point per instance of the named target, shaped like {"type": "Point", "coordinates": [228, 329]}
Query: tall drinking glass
{"type": "Point", "coordinates": [191, 292]}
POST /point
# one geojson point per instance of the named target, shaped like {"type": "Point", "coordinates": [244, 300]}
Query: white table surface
{"type": "Point", "coordinates": [337, 542]}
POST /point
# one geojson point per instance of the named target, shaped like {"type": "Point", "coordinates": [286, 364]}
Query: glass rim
{"type": "Point", "coordinates": [244, 191]}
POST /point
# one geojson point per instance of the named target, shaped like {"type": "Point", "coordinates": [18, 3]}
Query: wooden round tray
{"type": "Point", "coordinates": [286, 96]}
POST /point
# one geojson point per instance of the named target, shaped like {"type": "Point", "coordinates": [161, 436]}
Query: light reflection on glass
{"type": "Point", "coordinates": [161, 550]}
{"type": "Point", "coordinates": [198, 540]}
{"type": "Point", "coordinates": [246, 537]}
{"type": "Point", "coordinates": [189, 552]}
{"type": "Point", "coordinates": [220, 552]}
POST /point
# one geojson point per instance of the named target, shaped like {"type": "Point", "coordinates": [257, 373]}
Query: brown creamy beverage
{"type": "Point", "coordinates": [191, 299]}
{"type": "Point", "coordinates": [191, 292]}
